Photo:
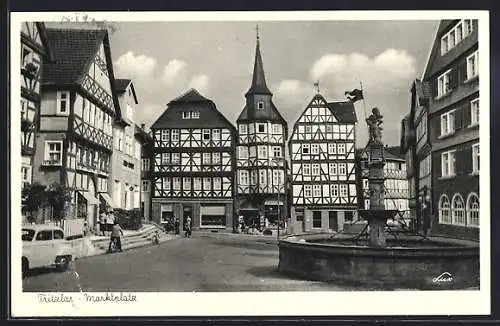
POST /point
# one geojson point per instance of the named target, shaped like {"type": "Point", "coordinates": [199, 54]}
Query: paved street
{"type": "Point", "coordinates": [203, 263]}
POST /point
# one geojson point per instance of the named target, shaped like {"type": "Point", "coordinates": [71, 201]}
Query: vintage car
{"type": "Point", "coordinates": [45, 246]}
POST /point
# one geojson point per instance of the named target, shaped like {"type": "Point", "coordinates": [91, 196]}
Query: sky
{"type": "Point", "coordinates": [166, 59]}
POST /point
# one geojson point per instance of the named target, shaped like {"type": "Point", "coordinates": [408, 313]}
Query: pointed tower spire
{"type": "Point", "coordinates": [259, 85]}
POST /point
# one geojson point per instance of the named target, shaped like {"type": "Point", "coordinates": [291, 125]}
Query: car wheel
{"type": "Point", "coordinates": [25, 267]}
{"type": "Point", "coordinates": [63, 263]}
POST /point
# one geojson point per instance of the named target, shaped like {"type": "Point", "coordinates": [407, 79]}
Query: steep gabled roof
{"type": "Point", "coordinates": [73, 50]}
{"type": "Point", "coordinates": [210, 117]}
{"type": "Point", "coordinates": [121, 86]}
{"type": "Point", "coordinates": [343, 111]}
{"type": "Point", "coordinates": [394, 153]}
{"type": "Point", "coordinates": [271, 114]}
{"type": "Point", "coordinates": [259, 85]}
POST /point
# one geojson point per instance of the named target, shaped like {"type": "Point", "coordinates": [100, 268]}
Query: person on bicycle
{"type": "Point", "coordinates": [116, 231]}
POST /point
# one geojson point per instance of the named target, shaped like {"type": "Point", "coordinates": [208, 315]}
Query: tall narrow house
{"type": "Point", "coordinates": [192, 164]}
{"type": "Point", "coordinates": [322, 154]}
{"type": "Point", "coordinates": [34, 51]}
{"type": "Point", "coordinates": [453, 123]}
{"type": "Point", "coordinates": [75, 138]}
{"type": "Point", "coordinates": [261, 165]}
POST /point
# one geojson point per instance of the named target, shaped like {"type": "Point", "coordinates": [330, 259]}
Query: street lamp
{"type": "Point", "coordinates": [277, 160]}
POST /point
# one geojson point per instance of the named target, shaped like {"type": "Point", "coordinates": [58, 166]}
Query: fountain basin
{"type": "Point", "coordinates": [410, 262]}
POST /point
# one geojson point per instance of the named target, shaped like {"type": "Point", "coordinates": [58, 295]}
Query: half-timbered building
{"type": "Point", "coordinates": [395, 183]}
{"type": "Point", "coordinates": [75, 138]}
{"type": "Point", "coordinates": [260, 156]}
{"type": "Point", "coordinates": [452, 71]}
{"type": "Point", "coordinates": [193, 164]}
{"type": "Point", "coordinates": [124, 184]}
{"type": "Point", "coordinates": [322, 155]}
{"type": "Point", "coordinates": [34, 51]}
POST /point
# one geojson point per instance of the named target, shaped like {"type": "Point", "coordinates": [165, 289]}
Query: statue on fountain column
{"type": "Point", "coordinates": [375, 130]}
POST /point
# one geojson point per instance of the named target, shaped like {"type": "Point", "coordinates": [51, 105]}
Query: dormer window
{"type": "Point", "coordinates": [260, 105]}
{"type": "Point", "coordinates": [195, 114]}
{"type": "Point", "coordinates": [63, 103]}
{"type": "Point", "coordinates": [186, 115]}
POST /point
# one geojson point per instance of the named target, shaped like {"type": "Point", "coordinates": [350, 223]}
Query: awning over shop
{"type": "Point", "coordinates": [91, 200]}
{"type": "Point", "coordinates": [273, 203]}
{"type": "Point", "coordinates": [107, 199]}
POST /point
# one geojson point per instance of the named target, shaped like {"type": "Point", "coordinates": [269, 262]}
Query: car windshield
{"type": "Point", "coordinates": [28, 234]}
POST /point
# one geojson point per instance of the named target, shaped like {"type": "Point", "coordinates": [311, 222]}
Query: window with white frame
{"type": "Point", "coordinates": [277, 151]}
{"type": "Point", "coordinates": [175, 135]}
{"type": "Point", "coordinates": [422, 127]}
{"type": "Point", "coordinates": [455, 35]}
{"type": "Point", "coordinates": [474, 111]}
{"type": "Point", "coordinates": [217, 183]}
{"type": "Point", "coordinates": [307, 191]}
{"type": "Point", "coordinates": [444, 83]}
{"type": "Point", "coordinates": [308, 129]}
{"type": "Point", "coordinates": [186, 115]}
{"type": "Point", "coordinates": [176, 183]}
{"type": "Point", "coordinates": [317, 190]}
{"type": "Point", "coordinates": [260, 105]}
{"type": "Point", "coordinates": [468, 27]}
{"type": "Point", "coordinates": [448, 164]}
{"type": "Point", "coordinates": [315, 169]}
{"type": "Point", "coordinates": [263, 152]}
{"type": "Point", "coordinates": [176, 158]}
{"type": "Point", "coordinates": [243, 129]}
{"type": "Point", "coordinates": [165, 135]}
{"type": "Point", "coordinates": [206, 134]}
{"type": "Point", "coordinates": [334, 190]}
{"type": "Point", "coordinates": [341, 148]}
{"type": "Point", "coordinates": [473, 65]}
{"type": "Point", "coordinates": [145, 164]}
{"type": "Point", "coordinates": [263, 177]}
{"type": "Point", "coordinates": [195, 114]}
{"type": "Point", "coordinates": [314, 149]}
{"type": "Point", "coordinates": [343, 190]}
{"type": "Point", "coordinates": [444, 210]}
{"type": "Point", "coordinates": [186, 183]}
{"type": "Point", "coordinates": [243, 152]}
{"type": "Point", "coordinates": [458, 210]}
{"type": "Point", "coordinates": [165, 158]}
{"type": "Point", "coordinates": [166, 183]}
{"type": "Point", "coordinates": [63, 103]}
{"type": "Point", "coordinates": [216, 134]}
{"type": "Point", "coordinates": [145, 186]}
{"type": "Point", "coordinates": [333, 168]}
{"type": "Point", "coordinates": [244, 178]}
{"type": "Point", "coordinates": [475, 158]}
{"type": "Point", "coordinates": [305, 148]}
{"type": "Point", "coordinates": [473, 210]}
{"type": "Point", "coordinates": [207, 158]}
{"type": "Point", "coordinates": [216, 158]}
{"type": "Point", "coordinates": [254, 177]}
{"type": "Point", "coordinates": [197, 183]}
{"type": "Point", "coordinates": [261, 127]}
{"type": "Point", "coordinates": [276, 177]}
{"type": "Point", "coordinates": [342, 169]}
{"type": "Point", "coordinates": [306, 169]}
{"type": "Point", "coordinates": [25, 174]}
{"type": "Point", "coordinates": [425, 167]}
{"type": "Point", "coordinates": [53, 152]}
{"type": "Point", "coordinates": [448, 123]}
{"type": "Point", "coordinates": [277, 129]}
{"type": "Point", "coordinates": [332, 148]}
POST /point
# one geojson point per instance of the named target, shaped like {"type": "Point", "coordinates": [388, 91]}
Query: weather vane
{"type": "Point", "coordinates": [316, 84]}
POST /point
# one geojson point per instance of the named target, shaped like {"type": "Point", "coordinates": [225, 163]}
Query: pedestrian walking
{"type": "Point", "coordinates": [116, 231]}
{"type": "Point", "coordinates": [187, 228]}
{"type": "Point", "coordinates": [102, 222]}
{"type": "Point", "coordinates": [110, 220]}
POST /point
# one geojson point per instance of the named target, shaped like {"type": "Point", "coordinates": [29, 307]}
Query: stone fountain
{"type": "Point", "coordinates": [385, 260]}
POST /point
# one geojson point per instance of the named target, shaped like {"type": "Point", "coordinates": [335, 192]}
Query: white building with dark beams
{"type": "Point", "coordinates": [260, 157]}
{"type": "Point", "coordinates": [75, 136]}
{"type": "Point", "coordinates": [192, 165]}
{"type": "Point", "coordinates": [322, 155]}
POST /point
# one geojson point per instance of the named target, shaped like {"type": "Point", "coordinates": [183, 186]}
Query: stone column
{"type": "Point", "coordinates": [376, 189]}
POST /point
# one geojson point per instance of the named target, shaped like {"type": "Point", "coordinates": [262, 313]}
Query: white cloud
{"type": "Point", "coordinates": [134, 66]}
{"type": "Point", "coordinates": [200, 83]}
{"type": "Point", "coordinates": [383, 73]}
{"type": "Point", "coordinates": [174, 72]}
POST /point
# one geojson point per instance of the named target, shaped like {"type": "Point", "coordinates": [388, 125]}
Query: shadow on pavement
{"type": "Point", "coordinates": [245, 244]}
{"type": "Point", "coordinates": [41, 271]}
{"type": "Point", "coordinates": [267, 271]}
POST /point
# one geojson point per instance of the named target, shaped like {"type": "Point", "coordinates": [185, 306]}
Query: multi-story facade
{"type": "Point", "coordinates": [75, 137]}
{"type": "Point", "coordinates": [395, 183]}
{"type": "Point", "coordinates": [146, 152]}
{"type": "Point", "coordinates": [408, 149]}
{"type": "Point", "coordinates": [260, 156]}
{"type": "Point", "coordinates": [322, 155]}
{"type": "Point", "coordinates": [446, 125]}
{"type": "Point", "coordinates": [34, 51]}
{"type": "Point", "coordinates": [125, 181]}
{"type": "Point", "coordinates": [192, 164]}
